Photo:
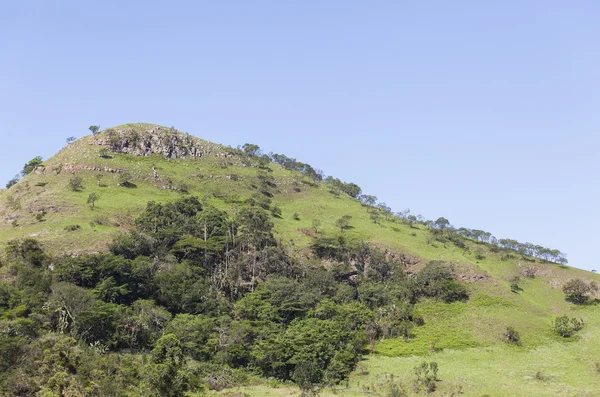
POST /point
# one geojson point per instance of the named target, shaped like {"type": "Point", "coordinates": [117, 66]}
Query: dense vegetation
{"type": "Point", "coordinates": [194, 294]}
{"type": "Point", "coordinates": [234, 280]}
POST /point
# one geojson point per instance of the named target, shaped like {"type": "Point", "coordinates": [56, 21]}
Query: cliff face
{"type": "Point", "coordinates": [145, 140]}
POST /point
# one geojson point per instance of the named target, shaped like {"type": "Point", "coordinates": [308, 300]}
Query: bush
{"type": "Point", "coordinates": [437, 281]}
{"type": "Point", "coordinates": [566, 327]}
{"type": "Point", "coordinates": [578, 291]}
{"type": "Point", "coordinates": [529, 271]}
{"type": "Point", "coordinates": [425, 377]}
{"type": "Point", "coordinates": [40, 216]}
{"type": "Point", "coordinates": [276, 212]}
{"type": "Point", "coordinates": [76, 183]}
{"type": "Point", "coordinates": [511, 336]}
{"type": "Point", "coordinates": [514, 284]}
{"type": "Point", "coordinates": [104, 153]}
{"type": "Point", "coordinates": [72, 228]}
{"type": "Point", "coordinates": [125, 180]}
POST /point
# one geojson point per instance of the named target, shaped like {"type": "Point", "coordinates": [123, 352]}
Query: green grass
{"type": "Point", "coordinates": [465, 338]}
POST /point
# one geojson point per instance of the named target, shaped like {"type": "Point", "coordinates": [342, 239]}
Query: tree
{"type": "Point", "coordinates": [344, 222]}
{"type": "Point", "coordinates": [94, 128]}
{"type": "Point", "coordinates": [166, 371]}
{"type": "Point", "coordinates": [368, 199]}
{"type": "Point", "coordinates": [92, 198]}
{"type": "Point", "coordinates": [387, 211]}
{"type": "Point", "coordinates": [31, 165]}
{"type": "Point", "coordinates": [411, 220]}
{"type": "Point", "coordinates": [442, 223]}
{"type": "Point", "coordinates": [76, 183]}
{"type": "Point", "coordinates": [351, 189]}
{"type": "Point", "coordinates": [99, 178]}
{"type": "Point", "coordinates": [71, 139]}
{"type": "Point", "coordinates": [12, 182]}
{"type": "Point", "coordinates": [251, 149]}
{"type": "Point", "coordinates": [578, 291]}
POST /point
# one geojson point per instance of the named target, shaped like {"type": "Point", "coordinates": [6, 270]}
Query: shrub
{"type": "Point", "coordinates": [72, 228]}
{"type": "Point", "coordinates": [396, 390]}
{"type": "Point", "coordinates": [437, 281]}
{"type": "Point", "coordinates": [344, 222]}
{"type": "Point", "coordinates": [566, 327]}
{"type": "Point", "coordinates": [480, 254]}
{"type": "Point", "coordinates": [125, 180]}
{"type": "Point", "coordinates": [76, 183]}
{"type": "Point", "coordinates": [104, 153]}
{"type": "Point", "coordinates": [40, 216]}
{"type": "Point", "coordinates": [541, 377]}
{"type": "Point", "coordinates": [425, 377]}
{"type": "Point", "coordinates": [529, 271]}
{"type": "Point", "coordinates": [578, 291]}
{"type": "Point", "coordinates": [514, 284]}
{"type": "Point", "coordinates": [276, 211]}
{"type": "Point", "coordinates": [511, 336]}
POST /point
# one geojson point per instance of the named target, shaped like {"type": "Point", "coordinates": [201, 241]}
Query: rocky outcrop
{"type": "Point", "coordinates": [169, 142]}
{"type": "Point", "coordinates": [73, 167]}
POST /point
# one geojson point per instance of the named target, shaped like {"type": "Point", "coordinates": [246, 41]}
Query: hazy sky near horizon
{"type": "Point", "coordinates": [486, 113]}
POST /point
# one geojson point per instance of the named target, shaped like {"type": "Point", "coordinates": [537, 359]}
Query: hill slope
{"type": "Point", "coordinates": [130, 165]}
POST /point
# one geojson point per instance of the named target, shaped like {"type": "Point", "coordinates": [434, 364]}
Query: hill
{"type": "Point", "coordinates": [317, 225]}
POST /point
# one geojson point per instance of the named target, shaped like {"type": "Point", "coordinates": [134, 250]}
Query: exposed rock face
{"type": "Point", "coordinates": [157, 140]}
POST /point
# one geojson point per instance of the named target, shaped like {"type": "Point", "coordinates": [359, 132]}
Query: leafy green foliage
{"type": "Point", "coordinates": [92, 198]}
{"type": "Point", "coordinates": [566, 327]}
{"type": "Point", "coordinates": [31, 165]}
{"type": "Point", "coordinates": [344, 222]}
{"type": "Point", "coordinates": [578, 291]}
{"type": "Point", "coordinates": [436, 280]}
{"type": "Point", "coordinates": [425, 377]}
{"type": "Point", "coordinates": [194, 284]}
{"type": "Point", "coordinates": [76, 183]}
{"type": "Point", "coordinates": [13, 181]}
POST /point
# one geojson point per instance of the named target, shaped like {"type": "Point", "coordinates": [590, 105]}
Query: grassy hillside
{"type": "Point", "coordinates": [464, 338]}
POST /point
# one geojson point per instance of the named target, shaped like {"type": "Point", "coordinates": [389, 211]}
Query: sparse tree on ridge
{"type": "Point", "coordinates": [95, 129]}
{"type": "Point", "coordinates": [31, 165]}
{"type": "Point", "coordinates": [251, 149]}
{"type": "Point", "coordinates": [442, 223]}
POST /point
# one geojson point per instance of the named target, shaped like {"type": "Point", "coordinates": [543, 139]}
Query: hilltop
{"type": "Point", "coordinates": [316, 223]}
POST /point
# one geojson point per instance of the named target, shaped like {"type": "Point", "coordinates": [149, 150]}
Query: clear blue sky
{"type": "Point", "coordinates": [487, 113]}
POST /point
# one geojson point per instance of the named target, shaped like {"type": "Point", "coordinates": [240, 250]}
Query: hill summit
{"type": "Point", "coordinates": [147, 139]}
